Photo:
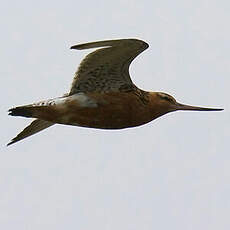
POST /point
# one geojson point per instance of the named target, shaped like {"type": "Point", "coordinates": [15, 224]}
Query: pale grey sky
{"type": "Point", "coordinates": [172, 173]}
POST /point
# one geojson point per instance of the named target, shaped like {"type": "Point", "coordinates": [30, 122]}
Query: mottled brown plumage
{"type": "Point", "coordinates": [102, 94]}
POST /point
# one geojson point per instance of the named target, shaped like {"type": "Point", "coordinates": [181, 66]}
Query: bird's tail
{"type": "Point", "coordinates": [24, 111]}
{"type": "Point", "coordinates": [35, 127]}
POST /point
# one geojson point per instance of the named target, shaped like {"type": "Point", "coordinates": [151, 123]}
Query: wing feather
{"type": "Point", "coordinates": [106, 69]}
{"type": "Point", "coordinates": [35, 127]}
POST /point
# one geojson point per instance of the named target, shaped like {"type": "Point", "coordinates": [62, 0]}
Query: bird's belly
{"type": "Point", "coordinates": [102, 117]}
{"type": "Point", "coordinates": [112, 112]}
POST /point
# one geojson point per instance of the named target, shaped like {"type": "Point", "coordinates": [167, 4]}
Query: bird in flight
{"type": "Point", "coordinates": [102, 94]}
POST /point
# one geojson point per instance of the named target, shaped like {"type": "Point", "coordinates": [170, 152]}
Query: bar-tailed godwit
{"type": "Point", "coordinates": [102, 94]}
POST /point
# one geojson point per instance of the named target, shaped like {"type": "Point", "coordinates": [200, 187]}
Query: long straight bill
{"type": "Point", "coordinates": [195, 108]}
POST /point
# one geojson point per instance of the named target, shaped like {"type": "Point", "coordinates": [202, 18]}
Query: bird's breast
{"type": "Point", "coordinates": [104, 110]}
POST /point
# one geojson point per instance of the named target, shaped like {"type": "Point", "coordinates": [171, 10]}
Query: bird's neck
{"type": "Point", "coordinates": [157, 108]}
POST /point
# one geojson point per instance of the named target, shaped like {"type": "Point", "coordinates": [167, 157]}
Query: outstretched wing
{"type": "Point", "coordinates": [35, 127]}
{"type": "Point", "coordinates": [106, 69]}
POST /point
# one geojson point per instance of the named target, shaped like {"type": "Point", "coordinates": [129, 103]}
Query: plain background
{"type": "Point", "coordinates": [172, 173]}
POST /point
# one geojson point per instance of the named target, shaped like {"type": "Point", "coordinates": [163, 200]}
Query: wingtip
{"type": "Point", "coordinates": [35, 127]}
{"type": "Point", "coordinates": [109, 43]}
{"type": "Point", "coordinates": [76, 47]}
{"type": "Point", "coordinates": [10, 143]}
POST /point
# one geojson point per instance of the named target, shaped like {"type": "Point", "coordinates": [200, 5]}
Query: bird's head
{"type": "Point", "coordinates": [169, 104]}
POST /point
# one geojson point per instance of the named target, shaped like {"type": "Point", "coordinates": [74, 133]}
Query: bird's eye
{"type": "Point", "coordinates": [166, 97]}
